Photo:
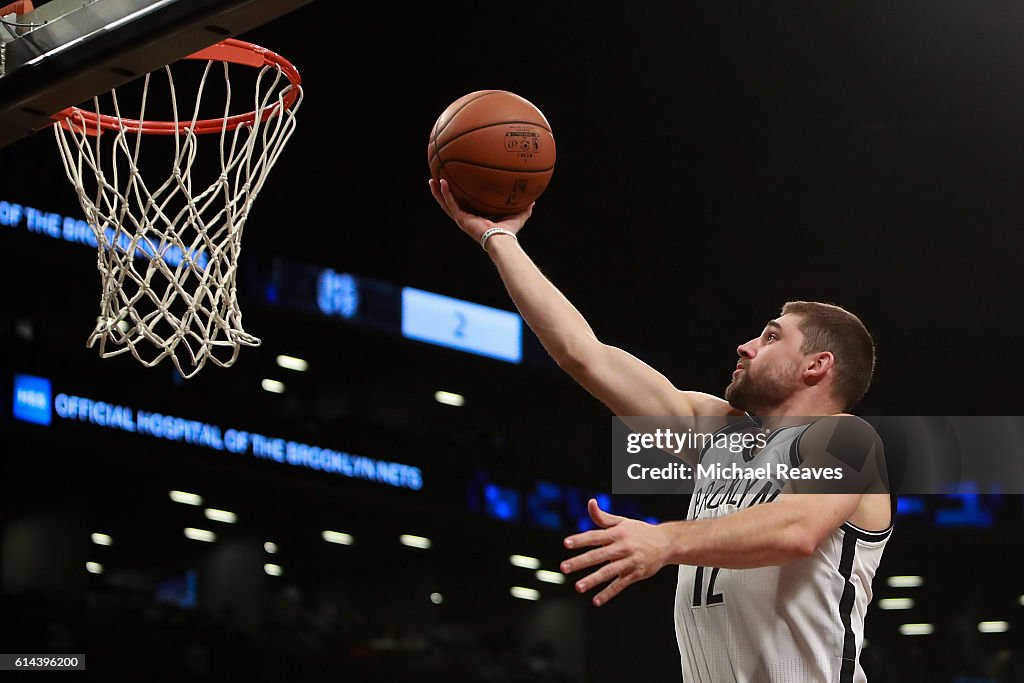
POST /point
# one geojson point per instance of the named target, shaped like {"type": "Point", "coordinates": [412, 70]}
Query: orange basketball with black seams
{"type": "Point", "coordinates": [495, 149]}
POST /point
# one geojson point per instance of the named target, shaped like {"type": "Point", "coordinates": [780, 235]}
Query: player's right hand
{"type": "Point", "coordinates": [471, 224]}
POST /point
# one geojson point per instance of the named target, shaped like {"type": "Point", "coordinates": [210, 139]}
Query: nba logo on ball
{"type": "Point", "coordinates": [522, 142]}
{"type": "Point", "coordinates": [495, 149]}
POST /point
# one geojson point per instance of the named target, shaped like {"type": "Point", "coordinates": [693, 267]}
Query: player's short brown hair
{"type": "Point", "coordinates": [827, 327]}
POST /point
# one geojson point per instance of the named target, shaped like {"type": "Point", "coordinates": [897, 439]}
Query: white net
{"type": "Point", "coordinates": [168, 249]}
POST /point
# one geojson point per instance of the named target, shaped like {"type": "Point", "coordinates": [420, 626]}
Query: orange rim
{"type": "Point", "coordinates": [231, 50]}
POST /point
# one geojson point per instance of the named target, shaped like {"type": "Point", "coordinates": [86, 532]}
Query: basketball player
{"type": "Point", "coordinates": [774, 577]}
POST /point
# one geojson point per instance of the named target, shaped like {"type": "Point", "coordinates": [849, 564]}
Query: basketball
{"type": "Point", "coordinates": [495, 149]}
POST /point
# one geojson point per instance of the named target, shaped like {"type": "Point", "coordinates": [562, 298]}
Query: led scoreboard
{"type": "Point", "coordinates": [413, 313]}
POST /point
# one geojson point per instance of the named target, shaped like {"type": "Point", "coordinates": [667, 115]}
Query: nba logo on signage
{"type": "Point", "coordinates": [32, 399]}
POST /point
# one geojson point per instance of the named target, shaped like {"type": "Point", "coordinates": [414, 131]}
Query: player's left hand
{"type": "Point", "coordinates": [633, 551]}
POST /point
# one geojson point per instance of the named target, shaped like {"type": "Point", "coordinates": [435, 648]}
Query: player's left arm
{"type": "Point", "coordinates": [787, 529]}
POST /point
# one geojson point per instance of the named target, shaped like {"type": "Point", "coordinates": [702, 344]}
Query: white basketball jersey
{"type": "Point", "coordinates": [802, 622]}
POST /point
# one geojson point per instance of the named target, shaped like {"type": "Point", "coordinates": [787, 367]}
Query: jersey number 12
{"type": "Point", "coordinates": [712, 598]}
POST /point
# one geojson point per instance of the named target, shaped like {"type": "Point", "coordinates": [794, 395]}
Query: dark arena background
{"type": "Point", "coordinates": [714, 161]}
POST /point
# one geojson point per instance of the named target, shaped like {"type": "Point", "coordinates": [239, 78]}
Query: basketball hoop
{"type": "Point", "coordinates": [168, 252]}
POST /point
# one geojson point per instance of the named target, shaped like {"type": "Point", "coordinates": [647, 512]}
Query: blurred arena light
{"type": "Point", "coordinates": [273, 386]}
{"type": "Point", "coordinates": [550, 577]}
{"type": "Point", "coordinates": [994, 626]}
{"type": "Point", "coordinates": [102, 539]}
{"type": "Point", "coordinates": [337, 537]}
{"type": "Point", "coordinates": [916, 629]}
{"type": "Point", "coordinates": [905, 581]}
{"type": "Point", "coordinates": [414, 541]}
{"type": "Point", "coordinates": [449, 399]}
{"type": "Point", "coordinates": [186, 498]}
{"type": "Point", "coordinates": [221, 515]}
{"type": "Point", "coordinates": [525, 561]}
{"type": "Point", "coordinates": [292, 363]}
{"type": "Point", "coordinates": [200, 535]}
{"type": "Point", "coordinates": [524, 593]}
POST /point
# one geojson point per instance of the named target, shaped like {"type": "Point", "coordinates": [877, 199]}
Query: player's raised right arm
{"type": "Point", "coordinates": [624, 383]}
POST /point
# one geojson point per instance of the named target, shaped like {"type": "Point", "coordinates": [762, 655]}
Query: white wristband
{"type": "Point", "coordinates": [492, 232]}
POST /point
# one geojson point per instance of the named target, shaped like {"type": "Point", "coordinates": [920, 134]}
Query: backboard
{"type": "Point", "coordinates": [60, 53]}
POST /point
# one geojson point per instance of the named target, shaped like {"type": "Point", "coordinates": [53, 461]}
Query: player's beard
{"type": "Point", "coordinates": [759, 393]}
